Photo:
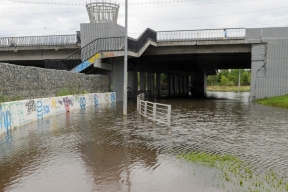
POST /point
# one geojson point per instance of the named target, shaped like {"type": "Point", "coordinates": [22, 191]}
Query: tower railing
{"type": "Point", "coordinates": [154, 111]}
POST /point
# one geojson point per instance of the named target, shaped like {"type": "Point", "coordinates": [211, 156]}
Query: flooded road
{"type": "Point", "coordinates": [99, 150]}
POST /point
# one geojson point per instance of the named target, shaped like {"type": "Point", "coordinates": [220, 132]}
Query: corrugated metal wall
{"type": "Point", "coordinates": [271, 78]}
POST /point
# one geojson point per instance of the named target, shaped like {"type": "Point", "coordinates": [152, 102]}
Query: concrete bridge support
{"type": "Point", "coordinates": [158, 85]}
{"type": "Point", "coordinates": [133, 84]}
{"type": "Point", "coordinates": [150, 83]}
{"type": "Point", "coordinates": [117, 78]}
{"type": "Point", "coordinates": [199, 83]}
{"type": "Point", "coordinates": [143, 82]}
{"type": "Point", "coordinates": [169, 85]}
{"type": "Point", "coordinates": [173, 85]}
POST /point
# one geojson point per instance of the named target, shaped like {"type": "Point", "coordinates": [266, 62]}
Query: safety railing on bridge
{"type": "Point", "coordinates": [87, 52]}
{"type": "Point", "coordinates": [154, 111]}
{"type": "Point", "coordinates": [205, 34]}
{"type": "Point", "coordinates": [102, 44]}
{"type": "Point", "coordinates": [27, 41]}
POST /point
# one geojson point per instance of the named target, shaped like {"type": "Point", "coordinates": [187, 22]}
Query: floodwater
{"type": "Point", "coordinates": [99, 150]}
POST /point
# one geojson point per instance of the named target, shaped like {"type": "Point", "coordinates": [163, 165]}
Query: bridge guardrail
{"type": "Point", "coordinates": [154, 111]}
{"type": "Point", "coordinates": [39, 40]}
{"type": "Point", "coordinates": [198, 35]}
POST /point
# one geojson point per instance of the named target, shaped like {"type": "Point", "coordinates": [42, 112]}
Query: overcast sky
{"type": "Point", "coordinates": [32, 17]}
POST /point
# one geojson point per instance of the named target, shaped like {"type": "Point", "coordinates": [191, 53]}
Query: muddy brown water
{"type": "Point", "coordinates": [99, 150]}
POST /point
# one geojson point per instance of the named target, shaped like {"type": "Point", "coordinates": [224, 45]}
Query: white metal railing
{"type": "Point", "coordinates": [204, 34]}
{"type": "Point", "coordinates": [154, 111]}
{"type": "Point", "coordinates": [38, 41]}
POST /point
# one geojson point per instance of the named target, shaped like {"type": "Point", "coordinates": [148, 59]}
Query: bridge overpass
{"type": "Point", "coordinates": [187, 57]}
{"type": "Point", "coordinates": [33, 50]}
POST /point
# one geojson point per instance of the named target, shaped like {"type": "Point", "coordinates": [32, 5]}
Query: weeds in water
{"type": "Point", "coordinates": [238, 172]}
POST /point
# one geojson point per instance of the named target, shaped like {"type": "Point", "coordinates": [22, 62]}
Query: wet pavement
{"type": "Point", "coordinates": [99, 150]}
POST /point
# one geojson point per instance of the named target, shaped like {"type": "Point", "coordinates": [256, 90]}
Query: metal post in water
{"type": "Point", "coordinates": [125, 60]}
{"type": "Point", "coordinates": [239, 80]}
{"type": "Point", "coordinates": [169, 116]}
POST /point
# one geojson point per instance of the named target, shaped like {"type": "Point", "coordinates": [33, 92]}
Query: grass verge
{"type": "Point", "coordinates": [280, 101]}
{"type": "Point", "coordinates": [228, 88]}
{"type": "Point", "coordinates": [238, 172]}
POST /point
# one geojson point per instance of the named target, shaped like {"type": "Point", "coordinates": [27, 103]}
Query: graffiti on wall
{"type": "Point", "coordinates": [91, 61]}
{"type": "Point", "coordinates": [96, 100]}
{"type": "Point", "coordinates": [68, 102]}
{"type": "Point", "coordinates": [113, 97]}
{"type": "Point", "coordinates": [42, 109]}
{"type": "Point", "coordinates": [5, 119]}
{"type": "Point", "coordinates": [107, 54]}
{"type": "Point", "coordinates": [39, 110]}
{"type": "Point", "coordinates": [82, 102]}
{"type": "Point", "coordinates": [30, 107]}
{"type": "Point", "coordinates": [14, 114]}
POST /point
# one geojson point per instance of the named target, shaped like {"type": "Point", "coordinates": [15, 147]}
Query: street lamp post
{"type": "Point", "coordinates": [125, 60]}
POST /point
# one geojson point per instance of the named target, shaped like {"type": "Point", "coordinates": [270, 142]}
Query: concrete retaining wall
{"type": "Point", "coordinates": [17, 113]}
{"type": "Point", "coordinates": [32, 82]}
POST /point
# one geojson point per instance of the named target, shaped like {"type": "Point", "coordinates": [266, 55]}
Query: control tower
{"type": "Point", "coordinates": [103, 17]}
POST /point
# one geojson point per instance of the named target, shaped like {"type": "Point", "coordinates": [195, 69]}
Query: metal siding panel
{"type": "Point", "coordinates": [278, 50]}
{"type": "Point", "coordinates": [257, 93]}
{"type": "Point", "coordinates": [282, 91]}
{"type": "Point", "coordinates": [274, 50]}
{"type": "Point", "coordinates": [261, 82]}
{"type": "Point", "coordinates": [268, 52]}
{"type": "Point", "coordinates": [277, 80]}
{"type": "Point", "coordinates": [283, 70]}
{"type": "Point", "coordinates": [261, 90]}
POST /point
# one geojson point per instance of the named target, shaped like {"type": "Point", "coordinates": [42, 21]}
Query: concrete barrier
{"type": "Point", "coordinates": [17, 113]}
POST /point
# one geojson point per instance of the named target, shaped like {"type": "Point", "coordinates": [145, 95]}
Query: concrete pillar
{"type": "Point", "coordinates": [173, 85]}
{"type": "Point", "coordinates": [150, 84]}
{"type": "Point", "coordinates": [169, 84]}
{"type": "Point", "coordinates": [199, 83]}
{"type": "Point", "coordinates": [176, 85]}
{"type": "Point", "coordinates": [117, 78]}
{"type": "Point", "coordinates": [158, 84]}
{"type": "Point", "coordinates": [184, 86]}
{"type": "Point", "coordinates": [132, 80]}
{"type": "Point", "coordinates": [179, 85]}
{"type": "Point", "coordinates": [132, 83]}
{"type": "Point", "coordinates": [187, 85]}
{"type": "Point", "coordinates": [143, 81]}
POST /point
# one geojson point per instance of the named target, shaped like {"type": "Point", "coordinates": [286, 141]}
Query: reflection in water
{"type": "Point", "coordinates": [98, 150]}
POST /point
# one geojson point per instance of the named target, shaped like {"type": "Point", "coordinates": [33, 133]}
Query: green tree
{"type": "Point", "coordinates": [224, 81]}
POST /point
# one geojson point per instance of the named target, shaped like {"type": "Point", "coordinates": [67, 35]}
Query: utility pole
{"type": "Point", "coordinates": [125, 61]}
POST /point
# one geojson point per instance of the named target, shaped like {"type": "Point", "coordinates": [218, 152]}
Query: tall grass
{"type": "Point", "coordinates": [8, 98]}
{"type": "Point", "coordinates": [65, 92]}
{"type": "Point", "coordinates": [228, 88]}
{"type": "Point", "coordinates": [279, 101]}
